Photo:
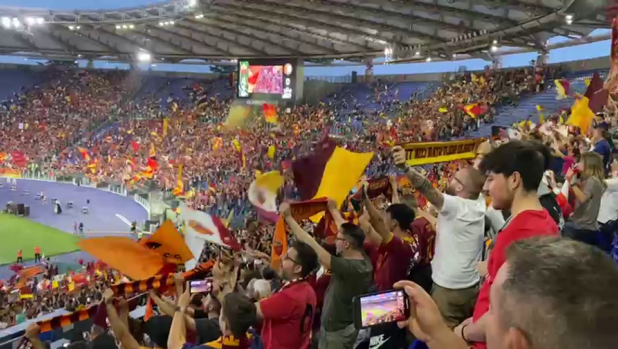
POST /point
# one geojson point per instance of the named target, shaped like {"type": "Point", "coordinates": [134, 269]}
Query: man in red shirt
{"type": "Point", "coordinates": [397, 251]}
{"type": "Point", "coordinates": [514, 172]}
{"type": "Point", "coordinates": [288, 313]}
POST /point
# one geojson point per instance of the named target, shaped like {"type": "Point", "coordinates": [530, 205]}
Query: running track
{"type": "Point", "coordinates": [108, 212]}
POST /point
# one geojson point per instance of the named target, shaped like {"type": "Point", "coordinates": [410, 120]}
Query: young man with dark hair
{"type": "Point", "coordinates": [459, 237]}
{"type": "Point", "coordinates": [238, 314]}
{"type": "Point", "coordinates": [288, 313]}
{"type": "Point", "coordinates": [396, 249]}
{"type": "Point", "coordinates": [351, 276]}
{"type": "Point", "coordinates": [514, 171]}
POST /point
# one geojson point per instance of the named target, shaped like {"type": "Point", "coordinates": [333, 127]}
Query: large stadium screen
{"type": "Point", "coordinates": [260, 78]}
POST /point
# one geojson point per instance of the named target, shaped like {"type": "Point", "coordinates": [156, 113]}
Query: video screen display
{"type": "Point", "coordinates": [266, 77]}
{"type": "Point", "coordinates": [382, 308]}
{"type": "Point", "coordinates": [200, 286]}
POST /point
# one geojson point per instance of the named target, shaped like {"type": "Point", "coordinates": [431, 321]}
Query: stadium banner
{"type": "Point", "coordinates": [433, 152]}
{"type": "Point", "coordinates": [10, 173]}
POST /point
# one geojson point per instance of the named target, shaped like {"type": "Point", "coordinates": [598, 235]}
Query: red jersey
{"type": "Point", "coordinates": [425, 237]}
{"type": "Point", "coordinates": [319, 284]}
{"type": "Point", "coordinates": [395, 261]}
{"type": "Point", "coordinates": [288, 315]}
{"type": "Point", "coordinates": [525, 225]}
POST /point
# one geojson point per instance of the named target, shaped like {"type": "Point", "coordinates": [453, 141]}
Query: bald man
{"type": "Point", "coordinates": [459, 243]}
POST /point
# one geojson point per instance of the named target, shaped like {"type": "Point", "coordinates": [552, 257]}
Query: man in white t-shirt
{"type": "Point", "coordinates": [459, 238]}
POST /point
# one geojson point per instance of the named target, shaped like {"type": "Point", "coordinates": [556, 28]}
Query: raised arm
{"type": "Point", "coordinates": [323, 256]}
{"type": "Point", "coordinates": [418, 181]}
{"type": "Point", "coordinates": [334, 211]}
{"type": "Point", "coordinates": [121, 332]}
{"type": "Point", "coordinates": [393, 181]}
{"type": "Point", "coordinates": [375, 218]}
{"type": "Point", "coordinates": [178, 330]}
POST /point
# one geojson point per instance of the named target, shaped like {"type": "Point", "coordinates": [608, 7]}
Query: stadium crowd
{"type": "Point", "coordinates": [475, 245]}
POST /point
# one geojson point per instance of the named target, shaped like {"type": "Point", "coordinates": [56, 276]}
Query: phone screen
{"type": "Point", "coordinates": [200, 286]}
{"type": "Point", "coordinates": [381, 308]}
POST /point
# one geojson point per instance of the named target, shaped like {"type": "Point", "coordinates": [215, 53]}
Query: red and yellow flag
{"type": "Point", "coordinates": [474, 110]}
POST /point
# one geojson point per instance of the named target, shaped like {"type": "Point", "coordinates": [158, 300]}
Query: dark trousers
{"type": "Point", "coordinates": [421, 275]}
{"type": "Point", "coordinates": [572, 231]}
{"type": "Point", "coordinates": [37, 257]}
{"type": "Point", "coordinates": [20, 260]}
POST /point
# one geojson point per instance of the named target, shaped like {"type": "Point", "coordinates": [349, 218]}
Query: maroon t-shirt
{"type": "Point", "coordinates": [395, 260]}
{"type": "Point", "coordinates": [424, 236]}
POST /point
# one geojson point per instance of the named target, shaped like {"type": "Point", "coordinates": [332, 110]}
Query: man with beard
{"type": "Point", "coordinates": [351, 276]}
{"type": "Point", "coordinates": [459, 238]}
{"type": "Point", "coordinates": [288, 313]}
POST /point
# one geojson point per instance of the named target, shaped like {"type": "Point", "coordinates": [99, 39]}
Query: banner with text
{"type": "Point", "coordinates": [433, 152]}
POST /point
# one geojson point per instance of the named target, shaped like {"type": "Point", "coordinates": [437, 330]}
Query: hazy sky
{"type": "Point", "coordinates": [594, 50]}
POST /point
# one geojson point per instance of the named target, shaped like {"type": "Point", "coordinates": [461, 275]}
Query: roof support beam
{"type": "Point", "coordinates": [403, 33]}
{"type": "Point", "coordinates": [192, 39]}
{"type": "Point", "coordinates": [85, 34]}
{"type": "Point", "coordinates": [223, 38]}
{"type": "Point", "coordinates": [383, 13]}
{"type": "Point", "coordinates": [210, 20]}
{"type": "Point", "coordinates": [292, 21]}
{"type": "Point", "coordinates": [411, 6]}
{"type": "Point", "coordinates": [310, 22]}
{"type": "Point", "coordinates": [124, 38]}
{"type": "Point", "coordinates": [19, 37]}
{"type": "Point", "coordinates": [174, 46]}
{"type": "Point", "coordinates": [57, 38]}
{"type": "Point", "coordinates": [237, 18]}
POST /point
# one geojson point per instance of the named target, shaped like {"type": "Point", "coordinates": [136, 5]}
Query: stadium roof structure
{"type": "Point", "coordinates": [319, 30]}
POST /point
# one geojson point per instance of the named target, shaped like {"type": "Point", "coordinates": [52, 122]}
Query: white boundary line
{"type": "Point", "coordinates": [126, 221]}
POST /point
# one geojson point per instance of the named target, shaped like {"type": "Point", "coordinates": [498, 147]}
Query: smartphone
{"type": "Point", "coordinates": [380, 308]}
{"type": "Point", "coordinates": [200, 286]}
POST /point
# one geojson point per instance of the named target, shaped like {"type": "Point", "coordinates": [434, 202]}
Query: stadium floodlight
{"type": "Point", "coordinates": [16, 23]}
{"type": "Point", "coordinates": [494, 48]}
{"type": "Point", "coordinates": [71, 27]}
{"type": "Point", "coordinates": [78, 27]}
{"type": "Point", "coordinates": [171, 22]}
{"type": "Point", "coordinates": [569, 19]}
{"type": "Point", "coordinates": [118, 27]}
{"type": "Point", "coordinates": [131, 26]}
{"type": "Point", "coordinates": [428, 59]}
{"type": "Point", "coordinates": [30, 20]}
{"type": "Point", "coordinates": [40, 20]}
{"type": "Point", "coordinates": [124, 26]}
{"type": "Point", "coordinates": [144, 56]}
{"type": "Point", "coordinates": [6, 22]}
{"type": "Point", "coordinates": [192, 3]}
{"type": "Point", "coordinates": [160, 24]}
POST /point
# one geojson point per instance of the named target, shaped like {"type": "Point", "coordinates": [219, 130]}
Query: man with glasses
{"type": "Point", "coordinates": [460, 232]}
{"type": "Point", "coordinates": [288, 313]}
{"type": "Point", "coordinates": [351, 276]}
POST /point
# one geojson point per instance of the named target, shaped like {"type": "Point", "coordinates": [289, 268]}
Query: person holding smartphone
{"type": "Point", "coordinates": [351, 275]}
{"type": "Point", "coordinates": [288, 313]}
